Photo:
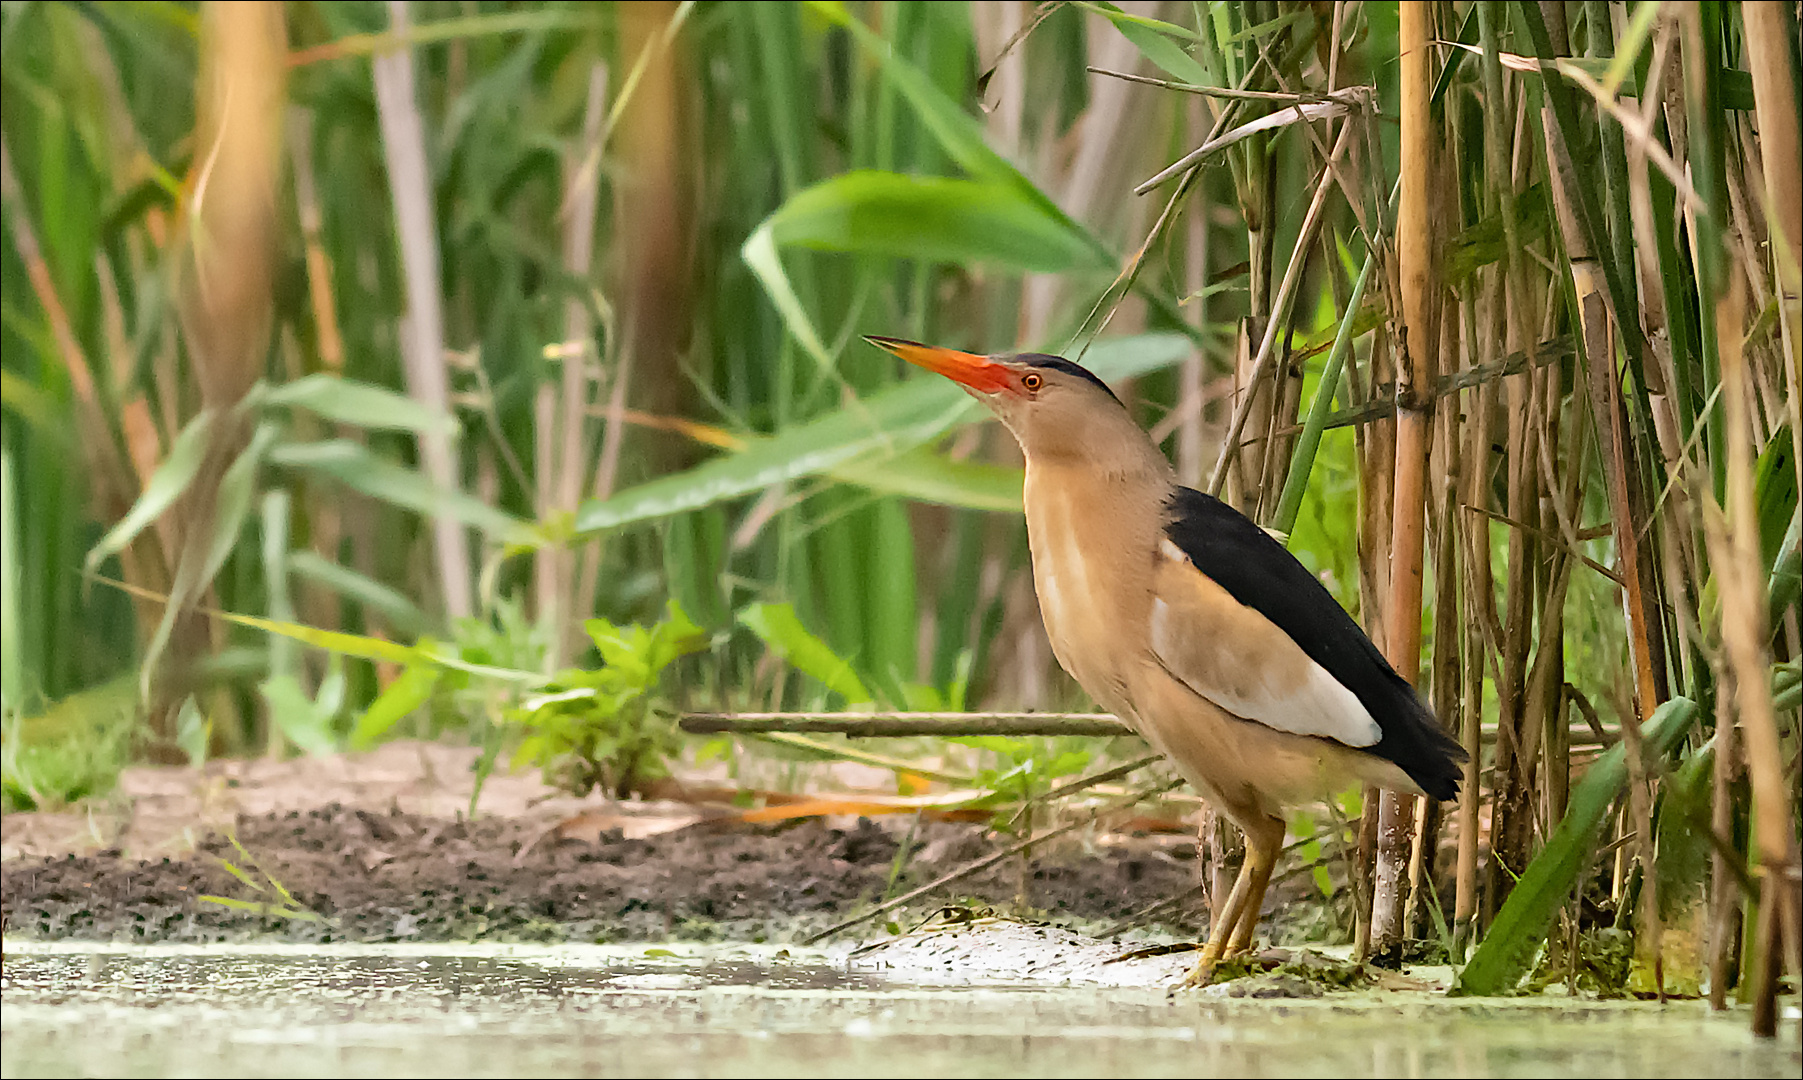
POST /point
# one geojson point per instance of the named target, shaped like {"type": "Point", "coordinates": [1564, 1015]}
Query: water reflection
{"type": "Point", "coordinates": [495, 1011]}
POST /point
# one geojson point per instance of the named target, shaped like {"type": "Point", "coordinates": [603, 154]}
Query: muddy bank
{"type": "Point", "coordinates": [399, 876]}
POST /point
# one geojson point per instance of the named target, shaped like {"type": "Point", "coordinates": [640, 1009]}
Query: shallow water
{"type": "Point", "coordinates": [266, 1010]}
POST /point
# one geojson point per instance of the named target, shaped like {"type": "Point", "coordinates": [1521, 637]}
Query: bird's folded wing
{"type": "Point", "coordinates": [1237, 658]}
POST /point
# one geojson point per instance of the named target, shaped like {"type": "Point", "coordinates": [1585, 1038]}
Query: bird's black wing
{"type": "Point", "coordinates": [1260, 573]}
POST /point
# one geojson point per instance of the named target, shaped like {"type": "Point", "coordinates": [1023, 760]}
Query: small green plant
{"type": "Point", "coordinates": [275, 900]}
{"type": "Point", "coordinates": [609, 727]}
{"type": "Point", "coordinates": [71, 751]}
{"type": "Point", "coordinates": [1025, 770]}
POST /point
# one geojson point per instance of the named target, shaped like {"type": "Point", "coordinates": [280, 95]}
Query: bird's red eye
{"type": "Point", "coordinates": [1031, 380]}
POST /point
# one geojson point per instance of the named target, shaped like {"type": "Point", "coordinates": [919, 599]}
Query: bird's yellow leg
{"type": "Point", "coordinates": [1232, 930]}
{"type": "Point", "coordinates": [1263, 844]}
{"type": "Point", "coordinates": [1221, 929]}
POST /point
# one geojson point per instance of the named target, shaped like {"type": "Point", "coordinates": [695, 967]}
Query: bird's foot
{"type": "Point", "coordinates": [1212, 971]}
{"type": "Point", "coordinates": [1199, 976]}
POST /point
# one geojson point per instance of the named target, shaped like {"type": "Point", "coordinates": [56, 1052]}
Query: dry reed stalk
{"type": "Point", "coordinates": [1414, 433]}
{"type": "Point", "coordinates": [1724, 891]}
{"type": "Point", "coordinates": [422, 350]}
{"type": "Point", "coordinates": [1781, 154]}
{"type": "Point", "coordinates": [224, 311]}
{"type": "Point", "coordinates": [1375, 452]}
{"type": "Point", "coordinates": [1525, 587]}
{"type": "Point", "coordinates": [1626, 503]}
{"type": "Point", "coordinates": [654, 289]}
{"type": "Point", "coordinates": [1447, 680]}
{"type": "Point", "coordinates": [322, 510]}
{"type": "Point", "coordinates": [1479, 615]}
{"type": "Point", "coordinates": [1268, 318]}
{"type": "Point", "coordinates": [1193, 372]}
{"type": "Point", "coordinates": [560, 445]}
{"type": "Point", "coordinates": [1734, 547]}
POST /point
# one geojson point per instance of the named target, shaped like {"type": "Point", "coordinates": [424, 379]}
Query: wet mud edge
{"type": "Point", "coordinates": [397, 876]}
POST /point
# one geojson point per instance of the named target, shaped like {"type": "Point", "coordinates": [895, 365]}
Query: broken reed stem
{"type": "Point", "coordinates": [904, 724]}
{"type": "Point", "coordinates": [993, 858]}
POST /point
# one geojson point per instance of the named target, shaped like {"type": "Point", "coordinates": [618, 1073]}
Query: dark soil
{"type": "Point", "coordinates": [402, 877]}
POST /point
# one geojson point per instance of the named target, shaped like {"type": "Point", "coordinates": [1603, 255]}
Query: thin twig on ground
{"type": "Point", "coordinates": [991, 859]}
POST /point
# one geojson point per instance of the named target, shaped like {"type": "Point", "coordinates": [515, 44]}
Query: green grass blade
{"type": "Point", "coordinates": [409, 690]}
{"type": "Point", "coordinates": [280, 911]}
{"type": "Point", "coordinates": [1302, 461]}
{"type": "Point", "coordinates": [778, 627]}
{"type": "Point", "coordinates": [356, 467]}
{"type": "Point", "coordinates": [1786, 581]}
{"type": "Point", "coordinates": [928, 477]}
{"type": "Point", "coordinates": [232, 501]}
{"type": "Point", "coordinates": [934, 218]}
{"type": "Point", "coordinates": [364, 405]}
{"type": "Point", "coordinates": [1153, 39]}
{"type": "Point", "coordinates": [12, 656]}
{"type": "Point", "coordinates": [167, 484]}
{"type": "Point", "coordinates": [276, 577]}
{"type": "Point", "coordinates": [761, 256]}
{"type": "Point", "coordinates": [957, 132]}
{"type": "Point", "coordinates": [357, 645]}
{"type": "Point", "coordinates": [891, 616]}
{"type": "Point", "coordinates": [391, 603]}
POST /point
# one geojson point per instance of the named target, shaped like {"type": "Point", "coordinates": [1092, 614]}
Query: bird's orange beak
{"type": "Point", "coordinates": [967, 369]}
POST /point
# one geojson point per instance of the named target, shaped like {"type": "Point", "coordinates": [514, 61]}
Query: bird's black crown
{"type": "Point", "coordinates": [1059, 363]}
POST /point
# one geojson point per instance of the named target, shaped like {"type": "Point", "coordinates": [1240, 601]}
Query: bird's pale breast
{"type": "Point", "coordinates": [1091, 568]}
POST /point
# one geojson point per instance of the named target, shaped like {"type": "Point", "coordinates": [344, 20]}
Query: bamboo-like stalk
{"type": "Point", "coordinates": [1479, 613]}
{"type": "Point", "coordinates": [1414, 434]}
{"type": "Point", "coordinates": [422, 348]}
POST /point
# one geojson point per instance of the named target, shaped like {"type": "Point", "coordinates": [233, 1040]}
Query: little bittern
{"type": "Point", "coordinates": [1195, 626]}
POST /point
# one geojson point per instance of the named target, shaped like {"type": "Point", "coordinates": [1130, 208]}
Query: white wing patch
{"type": "Point", "coordinates": [1232, 655]}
